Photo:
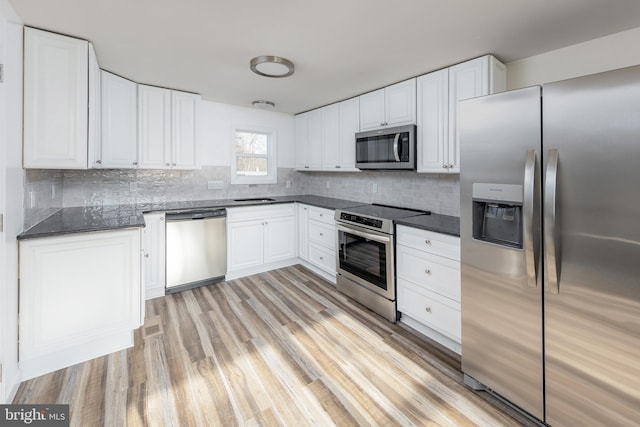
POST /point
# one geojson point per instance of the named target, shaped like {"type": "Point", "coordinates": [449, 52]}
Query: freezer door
{"type": "Point", "coordinates": [500, 237]}
{"type": "Point", "coordinates": [592, 241]}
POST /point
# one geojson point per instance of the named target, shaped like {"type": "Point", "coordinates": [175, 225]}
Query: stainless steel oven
{"type": "Point", "coordinates": [365, 253]}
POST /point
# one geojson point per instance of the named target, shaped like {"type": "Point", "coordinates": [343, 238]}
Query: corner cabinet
{"type": "Point", "coordinates": [167, 128]}
{"type": "Point", "coordinates": [60, 109]}
{"type": "Point", "coordinates": [325, 137]}
{"type": "Point", "coordinates": [393, 105]}
{"type": "Point", "coordinates": [80, 298]}
{"type": "Point", "coordinates": [428, 284]}
{"type": "Point", "coordinates": [439, 94]}
{"type": "Point", "coordinates": [119, 111]}
{"type": "Point", "coordinates": [260, 238]}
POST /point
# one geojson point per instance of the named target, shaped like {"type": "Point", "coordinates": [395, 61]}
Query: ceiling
{"type": "Point", "coordinates": [340, 48]}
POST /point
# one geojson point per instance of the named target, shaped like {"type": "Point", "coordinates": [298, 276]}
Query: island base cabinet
{"type": "Point", "coordinates": [80, 298]}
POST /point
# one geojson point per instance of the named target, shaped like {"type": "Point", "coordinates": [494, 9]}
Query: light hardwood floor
{"type": "Point", "coordinates": [278, 348]}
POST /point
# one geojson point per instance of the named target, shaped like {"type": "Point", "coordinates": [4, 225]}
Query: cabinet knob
{"type": "Point", "coordinates": [146, 255]}
{"type": "Point", "coordinates": [322, 234]}
{"type": "Point", "coordinates": [174, 164]}
{"type": "Point", "coordinates": [161, 218]}
{"type": "Point", "coordinates": [99, 162]}
{"type": "Point", "coordinates": [337, 166]}
{"type": "Point", "coordinates": [428, 242]}
{"type": "Point", "coordinates": [167, 164]}
{"type": "Point", "coordinates": [321, 214]}
{"type": "Point", "coordinates": [444, 166]}
{"type": "Point", "coordinates": [428, 309]}
{"type": "Point", "coordinates": [135, 163]}
{"type": "Point", "coordinates": [321, 258]}
{"type": "Point", "coordinates": [427, 271]}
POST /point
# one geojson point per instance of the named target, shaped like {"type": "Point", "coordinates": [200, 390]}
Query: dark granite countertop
{"type": "Point", "coordinates": [444, 224]}
{"type": "Point", "coordinates": [102, 218]}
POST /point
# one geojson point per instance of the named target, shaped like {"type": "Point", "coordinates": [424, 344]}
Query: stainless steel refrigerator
{"type": "Point", "coordinates": [550, 235]}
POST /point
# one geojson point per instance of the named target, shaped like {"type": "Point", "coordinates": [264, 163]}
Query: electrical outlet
{"type": "Point", "coordinates": [53, 191]}
{"type": "Point", "coordinates": [288, 183]}
{"type": "Point", "coordinates": [32, 199]}
{"type": "Point", "coordinates": [215, 185]}
{"type": "Point", "coordinates": [133, 186]}
{"type": "Point", "coordinates": [328, 184]}
{"type": "Point", "coordinates": [374, 188]}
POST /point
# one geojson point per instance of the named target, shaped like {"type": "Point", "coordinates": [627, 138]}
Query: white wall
{"type": "Point", "coordinates": [218, 121]}
{"type": "Point", "coordinates": [11, 194]}
{"type": "Point", "coordinates": [602, 54]}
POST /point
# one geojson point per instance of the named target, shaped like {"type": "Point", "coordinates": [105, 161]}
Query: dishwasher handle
{"type": "Point", "coordinates": [195, 215]}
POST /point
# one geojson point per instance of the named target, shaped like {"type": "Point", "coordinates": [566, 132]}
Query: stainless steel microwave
{"type": "Point", "coordinates": [388, 148]}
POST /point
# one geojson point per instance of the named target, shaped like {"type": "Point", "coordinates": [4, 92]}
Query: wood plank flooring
{"type": "Point", "coordinates": [278, 348]}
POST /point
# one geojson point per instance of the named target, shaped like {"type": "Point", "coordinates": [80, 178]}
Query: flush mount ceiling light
{"type": "Point", "coordinates": [263, 105]}
{"type": "Point", "coordinates": [271, 66]}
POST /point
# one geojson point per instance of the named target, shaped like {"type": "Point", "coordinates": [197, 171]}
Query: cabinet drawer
{"type": "Point", "coordinates": [430, 309]}
{"type": "Point", "coordinates": [323, 215]}
{"type": "Point", "coordinates": [428, 241]}
{"type": "Point", "coordinates": [322, 257]}
{"type": "Point", "coordinates": [260, 212]}
{"type": "Point", "coordinates": [322, 234]}
{"type": "Point", "coordinates": [431, 272]}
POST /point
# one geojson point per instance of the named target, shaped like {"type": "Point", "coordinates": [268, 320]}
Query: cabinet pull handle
{"type": "Point", "coordinates": [427, 271]}
{"type": "Point", "coordinates": [174, 164]}
{"type": "Point", "coordinates": [321, 234]}
{"type": "Point", "coordinates": [99, 162]}
{"type": "Point", "coordinates": [306, 166]}
{"type": "Point", "coordinates": [444, 166]}
{"type": "Point", "coordinates": [167, 164]}
{"type": "Point", "coordinates": [161, 218]}
{"type": "Point", "coordinates": [337, 166]}
{"type": "Point", "coordinates": [146, 255]}
{"type": "Point", "coordinates": [321, 214]}
{"type": "Point", "coordinates": [428, 309]}
{"type": "Point", "coordinates": [321, 258]}
{"type": "Point", "coordinates": [428, 242]}
{"type": "Point", "coordinates": [135, 163]}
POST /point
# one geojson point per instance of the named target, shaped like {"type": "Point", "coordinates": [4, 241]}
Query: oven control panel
{"type": "Point", "coordinates": [358, 219]}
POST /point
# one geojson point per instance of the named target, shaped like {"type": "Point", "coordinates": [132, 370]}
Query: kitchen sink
{"type": "Point", "coordinates": [258, 199]}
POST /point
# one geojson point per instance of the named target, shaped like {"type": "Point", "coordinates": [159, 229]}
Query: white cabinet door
{"type": "Point", "coordinates": [400, 103]}
{"type": "Point", "coordinates": [56, 100]}
{"type": "Point", "coordinates": [372, 107]}
{"type": "Point", "coordinates": [467, 80]}
{"type": "Point", "coordinates": [314, 146]}
{"type": "Point", "coordinates": [279, 239]}
{"type": "Point", "coordinates": [245, 243]}
{"type": "Point", "coordinates": [330, 136]}
{"type": "Point", "coordinates": [154, 127]}
{"type": "Point", "coordinates": [119, 122]}
{"type": "Point", "coordinates": [302, 141]}
{"type": "Point", "coordinates": [349, 125]}
{"type": "Point", "coordinates": [77, 291]}
{"type": "Point", "coordinates": [303, 232]}
{"type": "Point", "coordinates": [185, 147]}
{"type": "Point", "coordinates": [154, 255]}
{"type": "Point", "coordinates": [433, 119]}
{"type": "Point", "coordinates": [94, 147]}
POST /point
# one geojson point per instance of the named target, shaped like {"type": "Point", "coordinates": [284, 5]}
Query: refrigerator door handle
{"type": "Point", "coordinates": [531, 255]}
{"type": "Point", "coordinates": [551, 240]}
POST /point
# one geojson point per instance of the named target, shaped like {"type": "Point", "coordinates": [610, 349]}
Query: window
{"type": "Point", "coordinates": [253, 156]}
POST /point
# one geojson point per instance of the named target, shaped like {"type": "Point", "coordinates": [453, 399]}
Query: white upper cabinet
{"type": "Point", "coordinates": [439, 149]}
{"type": "Point", "coordinates": [433, 113]}
{"type": "Point", "coordinates": [325, 137]}
{"type": "Point", "coordinates": [348, 127]}
{"type": "Point", "coordinates": [393, 105]}
{"type": "Point", "coordinates": [314, 141]}
{"type": "Point", "coordinates": [95, 111]}
{"type": "Point", "coordinates": [184, 130]}
{"type": "Point", "coordinates": [56, 99]}
{"type": "Point", "coordinates": [330, 136]}
{"type": "Point", "coordinates": [302, 141]}
{"type": "Point", "coordinates": [119, 122]}
{"type": "Point", "coordinates": [167, 128]}
{"type": "Point", "coordinates": [154, 127]}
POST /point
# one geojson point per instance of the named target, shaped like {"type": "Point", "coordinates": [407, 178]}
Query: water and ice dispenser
{"type": "Point", "coordinates": [497, 214]}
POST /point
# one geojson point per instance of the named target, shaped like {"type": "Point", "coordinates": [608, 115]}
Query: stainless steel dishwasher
{"type": "Point", "coordinates": [196, 248]}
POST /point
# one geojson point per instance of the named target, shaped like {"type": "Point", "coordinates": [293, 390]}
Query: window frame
{"type": "Point", "coordinates": [272, 167]}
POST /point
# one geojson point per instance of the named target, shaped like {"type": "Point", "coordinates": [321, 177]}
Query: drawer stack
{"type": "Point", "coordinates": [318, 237]}
{"type": "Point", "coordinates": [428, 282]}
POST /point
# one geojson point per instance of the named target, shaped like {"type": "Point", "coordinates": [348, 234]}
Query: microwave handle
{"type": "Point", "coordinates": [396, 147]}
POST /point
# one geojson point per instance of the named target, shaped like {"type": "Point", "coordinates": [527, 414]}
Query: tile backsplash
{"type": "Point", "coordinates": [48, 190]}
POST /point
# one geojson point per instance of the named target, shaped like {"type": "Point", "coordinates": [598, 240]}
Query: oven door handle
{"type": "Point", "coordinates": [370, 236]}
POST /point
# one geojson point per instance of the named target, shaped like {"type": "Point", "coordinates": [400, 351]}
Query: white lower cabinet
{"type": "Point", "coordinates": [317, 234]}
{"type": "Point", "coordinates": [260, 238]}
{"type": "Point", "coordinates": [154, 255]}
{"type": "Point", "coordinates": [80, 298]}
{"type": "Point", "coordinates": [428, 284]}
